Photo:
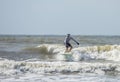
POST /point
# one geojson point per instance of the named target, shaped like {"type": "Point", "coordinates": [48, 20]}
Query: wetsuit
{"type": "Point", "coordinates": [67, 41]}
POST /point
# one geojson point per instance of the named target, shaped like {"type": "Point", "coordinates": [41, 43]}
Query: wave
{"type": "Point", "coordinates": [9, 67]}
{"type": "Point", "coordinates": [45, 49]}
{"type": "Point", "coordinates": [105, 52]}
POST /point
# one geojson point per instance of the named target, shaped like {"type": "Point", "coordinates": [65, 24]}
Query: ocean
{"type": "Point", "coordinates": [41, 58]}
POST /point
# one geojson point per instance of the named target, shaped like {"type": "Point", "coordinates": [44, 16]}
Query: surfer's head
{"type": "Point", "coordinates": [68, 35]}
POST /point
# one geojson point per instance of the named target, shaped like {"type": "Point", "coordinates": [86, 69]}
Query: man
{"type": "Point", "coordinates": [67, 42]}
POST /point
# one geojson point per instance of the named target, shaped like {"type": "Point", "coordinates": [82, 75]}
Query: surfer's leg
{"type": "Point", "coordinates": [67, 48]}
{"type": "Point", "coordinates": [70, 47]}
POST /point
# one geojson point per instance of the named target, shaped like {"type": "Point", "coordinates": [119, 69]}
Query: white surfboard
{"type": "Point", "coordinates": [68, 56]}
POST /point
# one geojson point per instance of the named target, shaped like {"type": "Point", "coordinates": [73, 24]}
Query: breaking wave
{"type": "Point", "coordinates": [105, 52]}
{"type": "Point", "coordinates": [46, 49]}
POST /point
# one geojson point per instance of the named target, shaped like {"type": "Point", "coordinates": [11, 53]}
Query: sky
{"type": "Point", "coordinates": [59, 17]}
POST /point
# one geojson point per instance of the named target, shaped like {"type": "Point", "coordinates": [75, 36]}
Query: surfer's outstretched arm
{"type": "Point", "coordinates": [75, 40]}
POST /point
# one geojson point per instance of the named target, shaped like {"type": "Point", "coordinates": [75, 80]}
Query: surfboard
{"type": "Point", "coordinates": [68, 56]}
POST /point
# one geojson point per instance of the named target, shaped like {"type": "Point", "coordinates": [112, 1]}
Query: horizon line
{"type": "Point", "coordinates": [58, 34]}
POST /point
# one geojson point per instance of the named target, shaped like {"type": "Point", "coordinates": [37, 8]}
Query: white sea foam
{"type": "Point", "coordinates": [10, 67]}
{"type": "Point", "coordinates": [62, 78]}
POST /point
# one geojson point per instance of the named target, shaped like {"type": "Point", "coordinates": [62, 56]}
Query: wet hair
{"type": "Point", "coordinates": [68, 34]}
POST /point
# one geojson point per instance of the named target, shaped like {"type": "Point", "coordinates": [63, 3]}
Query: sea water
{"type": "Point", "coordinates": [41, 58]}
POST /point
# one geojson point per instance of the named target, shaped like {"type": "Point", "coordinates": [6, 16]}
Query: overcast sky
{"type": "Point", "coordinates": [79, 17]}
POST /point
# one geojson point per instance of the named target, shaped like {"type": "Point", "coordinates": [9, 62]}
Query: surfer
{"type": "Point", "coordinates": [67, 43]}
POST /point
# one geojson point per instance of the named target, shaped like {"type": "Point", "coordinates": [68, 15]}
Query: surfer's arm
{"type": "Point", "coordinates": [75, 40]}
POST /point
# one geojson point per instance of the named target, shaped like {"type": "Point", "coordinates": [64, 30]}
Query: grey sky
{"type": "Point", "coordinates": [84, 17]}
